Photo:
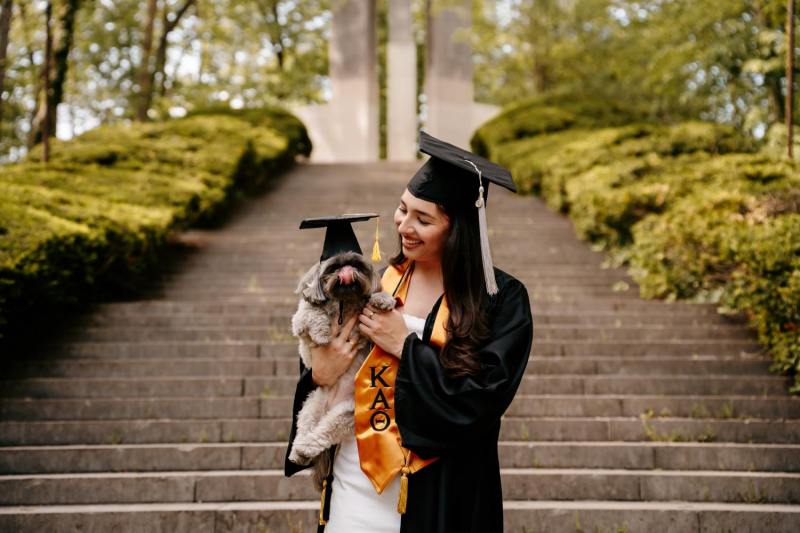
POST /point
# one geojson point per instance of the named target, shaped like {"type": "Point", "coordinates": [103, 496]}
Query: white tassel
{"type": "Point", "coordinates": [486, 253]}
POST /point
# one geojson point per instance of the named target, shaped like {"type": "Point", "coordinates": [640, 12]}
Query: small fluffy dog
{"type": "Point", "coordinates": [334, 289]}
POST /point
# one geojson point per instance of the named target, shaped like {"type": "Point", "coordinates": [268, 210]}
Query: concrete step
{"type": "Point", "coordinates": [288, 366]}
{"type": "Point", "coordinates": [697, 406]}
{"type": "Point", "coordinates": [171, 367]}
{"type": "Point", "coordinates": [518, 484]}
{"type": "Point", "coordinates": [642, 428]}
{"type": "Point", "coordinates": [236, 348]}
{"type": "Point", "coordinates": [566, 405]}
{"type": "Point", "coordinates": [513, 454]}
{"type": "Point", "coordinates": [285, 385]}
{"type": "Point", "coordinates": [209, 285]}
{"type": "Point", "coordinates": [167, 349]}
{"type": "Point", "coordinates": [127, 387]}
{"type": "Point", "coordinates": [257, 304]}
{"type": "Point", "coordinates": [519, 517]}
{"type": "Point", "coordinates": [653, 348]}
{"type": "Point", "coordinates": [282, 331]}
{"type": "Point", "coordinates": [249, 284]}
{"type": "Point", "coordinates": [283, 316]}
{"type": "Point", "coordinates": [221, 517]}
{"type": "Point", "coordinates": [668, 517]}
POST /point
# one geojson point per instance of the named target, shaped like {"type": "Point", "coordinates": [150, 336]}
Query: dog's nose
{"type": "Point", "coordinates": [346, 275]}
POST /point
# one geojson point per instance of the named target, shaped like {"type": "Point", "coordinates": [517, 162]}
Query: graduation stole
{"type": "Point", "coordinates": [380, 450]}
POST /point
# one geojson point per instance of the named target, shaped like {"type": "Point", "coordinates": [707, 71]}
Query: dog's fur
{"type": "Point", "coordinates": [326, 417]}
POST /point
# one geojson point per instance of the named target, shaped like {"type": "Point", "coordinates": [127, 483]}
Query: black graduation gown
{"type": "Point", "coordinates": [457, 420]}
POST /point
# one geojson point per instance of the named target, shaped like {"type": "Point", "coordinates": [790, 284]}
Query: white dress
{"type": "Point", "coordinates": [355, 506]}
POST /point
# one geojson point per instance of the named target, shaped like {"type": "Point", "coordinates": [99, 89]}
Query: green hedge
{"type": "Point", "coordinates": [695, 210]}
{"type": "Point", "coordinates": [94, 219]}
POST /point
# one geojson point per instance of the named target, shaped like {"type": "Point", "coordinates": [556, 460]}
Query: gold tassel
{"type": "Point", "coordinates": [376, 249]}
{"type": "Point", "coordinates": [322, 520]}
{"type": "Point", "coordinates": [403, 498]}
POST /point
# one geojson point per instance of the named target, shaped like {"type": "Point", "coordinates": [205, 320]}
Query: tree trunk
{"type": "Point", "coordinates": [62, 36]}
{"type": "Point", "coordinates": [145, 72]}
{"type": "Point", "coordinates": [48, 110]}
{"type": "Point", "coordinates": [38, 76]}
{"type": "Point", "coordinates": [157, 74]}
{"type": "Point", "coordinates": [789, 76]}
{"type": "Point", "coordinates": [776, 98]}
{"type": "Point", "coordinates": [541, 78]}
{"type": "Point", "coordinates": [278, 37]}
{"type": "Point", "coordinates": [269, 10]}
{"type": "Point", "coordinates": [5, 26]}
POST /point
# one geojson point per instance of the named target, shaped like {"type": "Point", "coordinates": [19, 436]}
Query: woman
{"type": "Point", "coordinates": [453, 354]}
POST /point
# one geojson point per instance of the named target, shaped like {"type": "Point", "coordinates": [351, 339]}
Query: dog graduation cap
{"type": "Point", "coordinates": [339, 236]}
{"type": "Point", "coordinates": [456, 175]}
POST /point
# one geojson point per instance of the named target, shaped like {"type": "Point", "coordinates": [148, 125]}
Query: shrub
{"type": "Point", "coordinates": [93, 220]}
{"type": "Point", "coordinates": [696, 210]}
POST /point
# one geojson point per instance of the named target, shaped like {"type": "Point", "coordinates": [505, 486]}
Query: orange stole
{"type": "Point", "coordinates": [380, 449]}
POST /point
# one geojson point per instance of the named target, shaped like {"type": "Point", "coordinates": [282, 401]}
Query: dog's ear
{"type": "Point", "coordinates": [310, 285]}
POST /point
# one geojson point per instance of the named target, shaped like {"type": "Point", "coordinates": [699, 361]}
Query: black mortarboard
{"type": "Point", "coordinates": [453, 173]}
{"type": "Point", "coordinates": [448, 172]}
{"type": "Point", "coordinates": [339, 236]}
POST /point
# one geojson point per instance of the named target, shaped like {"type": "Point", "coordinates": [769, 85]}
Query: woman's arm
{"type": "Point", "coordinates": [435, 412]}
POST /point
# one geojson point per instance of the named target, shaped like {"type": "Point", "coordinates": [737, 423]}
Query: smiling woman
{"type": "Point", "coordinates": [438, 390]}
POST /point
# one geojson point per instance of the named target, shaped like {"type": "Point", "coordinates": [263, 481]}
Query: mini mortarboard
{"type": "Point", "coordinates": [339, 236]}
{"type": "Point", "coordinates": [453, 173]}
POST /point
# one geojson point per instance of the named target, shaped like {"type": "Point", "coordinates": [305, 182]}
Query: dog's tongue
{"type": "Point", "coordinates": [346, 275]}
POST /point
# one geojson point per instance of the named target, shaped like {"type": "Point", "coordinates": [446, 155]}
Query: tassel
{"type": "Point", "coordinates": [322, 520]}
{"type": "Point", "coordinates": [486, 252]}
{"type": "Point", "coordinates": [403, 498]}
{"type": "Point", "coordinates": [376, 248]}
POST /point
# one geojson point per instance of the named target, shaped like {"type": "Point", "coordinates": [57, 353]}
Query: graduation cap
{"type": "Point", "coordinates": [455, 174]}
{"type": "Point", "coordinates": [339, 236]}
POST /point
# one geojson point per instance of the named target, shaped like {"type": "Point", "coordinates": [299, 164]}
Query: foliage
{"type": "Point", "coordinates": [721, 61]}
{"type": "Point", "coordinates": [94, 219]}
{"type": "Point", "coordinates": [243, 53]}
{"type": "Point", "coordinates": [695, 209]}
{"type": "Point", "coordinates": [549, 113]}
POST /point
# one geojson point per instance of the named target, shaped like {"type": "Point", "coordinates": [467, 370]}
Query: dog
{"type": "Point", "coordinates": [334, 289]}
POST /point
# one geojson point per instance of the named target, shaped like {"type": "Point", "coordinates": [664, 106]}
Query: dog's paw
{"type": "Point", "coordinates": [382, 301]}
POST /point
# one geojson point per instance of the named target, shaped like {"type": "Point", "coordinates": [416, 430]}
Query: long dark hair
{"type": "Point", "coordinates": [464, 288]}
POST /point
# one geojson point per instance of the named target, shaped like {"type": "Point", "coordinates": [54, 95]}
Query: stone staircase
{"type": "Point", "coordinates": [171, 412]}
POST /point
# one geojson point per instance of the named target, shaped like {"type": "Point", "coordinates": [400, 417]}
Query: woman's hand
{"type": "Point", "coordinates": [387, 329]}
{"type": "Point", "coordinates": [330, 361]}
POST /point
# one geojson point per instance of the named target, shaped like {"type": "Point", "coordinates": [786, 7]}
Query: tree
{"type": "Point", "coordinates": [789, 76]}
{"type": "Point", "coordinates": [676, 58]}
{"type": "Point", "coordinates": [5, 27]}
{"type": "Point", "coordinates": [200, 54]}
{"type": "Point", "coordinates": [150, 74]}
{"type": "Point", "coordinates": [63, 12]}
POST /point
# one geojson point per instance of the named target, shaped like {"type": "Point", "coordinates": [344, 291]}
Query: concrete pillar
{"type": "Point", "coordinates": [354, 81]}
{"type": "Point", "coordinates": [401, 84]}
{"type": "Point", "coordinates": [448, 71]}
